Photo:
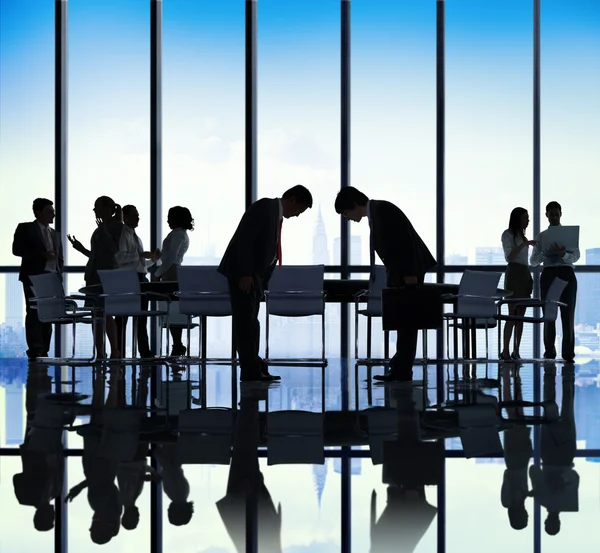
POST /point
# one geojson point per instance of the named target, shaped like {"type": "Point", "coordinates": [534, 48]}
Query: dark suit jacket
{"type": "Point", "coordinates": [254, 245]}
{"type": "Point", "coordinates": [28, 244]}
{"type": "Point", "coordinates": [397, 243]}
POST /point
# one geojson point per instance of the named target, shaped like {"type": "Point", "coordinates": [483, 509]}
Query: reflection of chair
{"type": "Point", "coordinates": [383, 427]}
{"type": "Point", "coordinates": [120, 433]}
{"type": "Point", "coordinates": [123, 298]}
{"type": "Point", "coordinates": [373, 309]}
{"type": "Point", "coordinates": [297, 291]}
{"type": "Point", "coordinates": [478, 428]}
{"type": "Point", "coordinates": [295, 437]}
{"type": "Point", "coordinates": [549, 306]}
{"type": "Point", "coordinates": [54, 307]}
{"type": "Point", "coordinates": [203, 292]}
{"type": "Point", "coordinates": [205, 436]}
{"type": "Point", "coordinates": [475, 308]}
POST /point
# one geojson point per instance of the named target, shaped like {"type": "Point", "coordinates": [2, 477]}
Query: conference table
{"type": "Point", "coordinates": [336, 291]}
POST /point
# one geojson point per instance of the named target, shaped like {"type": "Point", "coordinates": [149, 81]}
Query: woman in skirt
{"type": "Point", "coordinates": [518, 278]}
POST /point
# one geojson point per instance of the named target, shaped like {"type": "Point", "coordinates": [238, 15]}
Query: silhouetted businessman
{"type": "Point", "coordinates": [404, 254]}
{"type": "Point", "coordinates": [40, 248]}
{"type": "Point", "coordinates": [248, 264]}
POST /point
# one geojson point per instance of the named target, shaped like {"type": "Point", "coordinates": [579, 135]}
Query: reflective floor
{"type": "Point", "coordinates": [463, 459]}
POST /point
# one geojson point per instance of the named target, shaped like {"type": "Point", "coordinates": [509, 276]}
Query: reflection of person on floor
{"type": "Point", "coordinates": [556, 484]}
{"type": "Point", "coordinates": [246, 487]}
{"type": "Point", "coordinates": [407, 514]}
{"type": "Point", "coordinates": [100, 472]}
{"type": "Point", "coordinates": [175, 484]}
{"type": "Point", "coordinates": [41, 480]}
{"type": "Point", "coordinates": [517, 454]}
{"type": "Point", "coordinates": [131, 476]}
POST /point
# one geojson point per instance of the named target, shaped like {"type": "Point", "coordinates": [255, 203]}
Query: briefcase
{"type": "Point", "coordinates": [418, 307]}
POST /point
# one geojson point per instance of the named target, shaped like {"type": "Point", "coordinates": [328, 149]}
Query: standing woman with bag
{"type": "Point", "coordinates": [517, 277]}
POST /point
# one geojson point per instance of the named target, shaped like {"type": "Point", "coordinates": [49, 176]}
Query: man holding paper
{"type": "Point", "coordinates": [557, 257]}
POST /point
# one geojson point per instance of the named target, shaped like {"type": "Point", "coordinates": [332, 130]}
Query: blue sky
{"type": "Point", "coordinates": [489, 113]}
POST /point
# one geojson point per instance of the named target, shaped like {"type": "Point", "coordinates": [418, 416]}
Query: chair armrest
{"type": "Point", "coordinates": [458, 296]}
{"type": "Point", "coordinates": [529, 302]}
{"type": "Point", "coordinates": [296, 292]}
{"type": "Point", "coordinates": [361, 293]}
{"type": "Point", "coordinates": [157, 295]}
{"type": "Point", "coordinates": [180, 294]}
{"type": "Point", "coordinates": [78, 297]}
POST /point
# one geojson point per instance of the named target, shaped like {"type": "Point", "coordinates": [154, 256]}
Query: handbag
{"type": "Point", "coordinates": [413, 307]}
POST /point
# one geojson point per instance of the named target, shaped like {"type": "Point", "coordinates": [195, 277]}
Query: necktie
{"type": "Point", "coordinates": [279, 242]}
{"type": "Point", "coordinates": [48, 240]}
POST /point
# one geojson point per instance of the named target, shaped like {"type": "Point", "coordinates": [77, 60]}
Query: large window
{"type": "Point", "coordinates": [570, 107]}
{"type": "Point", "coordinates": [12, 317]}
{"type": "Point", "coordinates": [26, 112]}
{"type": "Point", "coordinates": [203, 120]}
{"type": "Point", "coordinates": [393, 112]}
{"type": "Point", "coordinates": [299, 119]}
{"type": "Point", "coordinates": [489, 118]}
{"type": "Point", "coordinates": [109, 112]}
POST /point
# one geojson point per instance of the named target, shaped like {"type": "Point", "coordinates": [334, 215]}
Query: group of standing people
{"type": "Point", "coordinates": [557, 262]}
{"type": "Point", "coordinates": [114, 244]}
{"type": "Point", "coordinates": [255, 250]}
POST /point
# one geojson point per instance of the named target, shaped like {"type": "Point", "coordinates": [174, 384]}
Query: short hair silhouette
{"type": "Point", "coordinates": [181, 217]}
{"type": "Point", "coordinates": [300, 193]}
{"type": "Point", "coordinates": [39, 204]}
{"type": "Point", "coordinates": [348, 198]}
{"type": "Point", "coordinates": [127, 209]}
{"type": "Point", "coordinates": [43, 519]}
{"type": "Point", "coordinates": [130, 518]}
{"type": "Point", "coordinates": [180, 513]}
{"type": "Point", "coordinates": [553, 205]}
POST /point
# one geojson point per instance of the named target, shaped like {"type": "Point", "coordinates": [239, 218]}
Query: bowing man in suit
{"type": "Point", "coordinates": [248, 264]}
{"type": "Point", "coordinates": [40, 249]}
{"type": "Point", "coordinates": [404, 254]}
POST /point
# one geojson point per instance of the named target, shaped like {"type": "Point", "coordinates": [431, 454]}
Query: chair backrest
{"type": "Point", "coordinates": [205, 436]}
{"type": "Point", "coordinates": [376, 286]}
{"type": "Point", "coordinates": [122, 287]}
{"type": "Point", "coordinates": [307, 279]}
{"type": "Point", "coordinates": [203, 291]}
{"type": "Point", "coordinates": [50, 296]}
{"type": "Point", "coordinates": [295, 437]}
{"type": "Point", "coordinates": [554, 293]}
{"type": "Point", "coordinates": [483, 285]}
{"type": "Point", "coordinates": [295, 278]}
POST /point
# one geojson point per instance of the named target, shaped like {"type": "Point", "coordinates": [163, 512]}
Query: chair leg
{"type": "Point", "coordinates": [74, 335]}
{"type": "Point", "coordinates": [189, 336]}
{"type": "Point", "coordinates": [369, 335]}
{"type": "Point", "coordinates": [355, 331]}
{"type": "Point", "coordinates": [323, 336]}
{"type": "Point", "coordinates": [425, 346]}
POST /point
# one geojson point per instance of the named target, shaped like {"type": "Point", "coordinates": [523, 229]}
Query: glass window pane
{"type": "Point", "coordinates": [570, 111]}
{"type": "Point", "coordinates": [299, 119]}
{"type": "Point", "coordinates": [489, 114]}
{"type": "Point", "coordinates": [393, 112]}
{"type": "Point", "coordinates": [409, 524]}
{"type": "Point", "coordinates": [203, 120]}
{"type": "Point", "coordinates": [27, 113]}
{"type": "Point", "coordinates": [587, 316]}
{"type": "Point", "coordinates": [475, 485]}
{"type": "Point", "coordinates": [80, 511]}
{"type": "Point", "coordinates": [13, 414]}
{"type": "Point", "coordinates": [18, 532]}
{"type": "Point", "coordinates": [12, 317]}
{"type": "Point", "coordinates": [109, 112]}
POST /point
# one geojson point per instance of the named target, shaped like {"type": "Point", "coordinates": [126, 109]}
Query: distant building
{"type": "Point", "coordinates": [13, 302]}
{"type": "Point", "coordinates": [489, 256]}
{"type": "Point", "coordinates": [320, 244]}
{"type": "Point", "coordinates": [356, 257]}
